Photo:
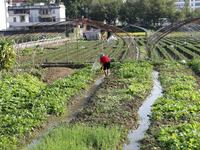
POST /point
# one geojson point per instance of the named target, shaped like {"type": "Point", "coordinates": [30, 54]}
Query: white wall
{"type": "Point", "coordinates": [17, 16]}
{"type": "Point", "coordinates": [62, 13]}
{"type": "Point", "coordinates": [4, 15]}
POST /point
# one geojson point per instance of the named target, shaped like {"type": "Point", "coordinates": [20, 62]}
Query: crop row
{"type": "Point", "coordinates": [108, 114]}
{"type": "Point", "coordinates": [175, 48]}
{"type": "Point", "coordinates": [175, 118]}
{"type": "Point", "coordinates": [186, 44]}
{"type": "Point", "coordinates": [25, 102]}
{"type": "Point", "coordinates": [80, 51]}
{"type": "Point", "coordinates": [55, 54]}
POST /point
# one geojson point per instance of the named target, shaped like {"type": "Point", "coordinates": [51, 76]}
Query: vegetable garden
{"type": "Point", "coordinates": [28, 103]}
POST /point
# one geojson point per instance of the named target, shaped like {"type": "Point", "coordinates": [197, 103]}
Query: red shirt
{"type": "Point", "coordinates": [104, 59]}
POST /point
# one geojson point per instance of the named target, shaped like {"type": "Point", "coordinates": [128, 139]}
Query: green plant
{"type": "Point", "coordinates": [80, 137]}
{"type": "Point", "coordinates": [25, 102]}
{"type": "Point", "coordinates": [181, 137]}
{"type": "Point", "coordinates": [175, 117]}
{"type": "Point", "coordinates": [7, 55]}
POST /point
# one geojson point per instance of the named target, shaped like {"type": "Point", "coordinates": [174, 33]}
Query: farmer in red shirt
{"type": "Point", "coordinates": [105, 62]}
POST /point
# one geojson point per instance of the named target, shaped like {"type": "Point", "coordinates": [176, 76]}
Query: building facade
{"type": "Point", "coordinates": [17, 14]}
{"type": "Point", "coordinates": [22, 15]}
{"type": "Point", "coordinates": [193, 4]}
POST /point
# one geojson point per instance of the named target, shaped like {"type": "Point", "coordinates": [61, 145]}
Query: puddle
{"type": "Point", "coordinates": [144, 112]}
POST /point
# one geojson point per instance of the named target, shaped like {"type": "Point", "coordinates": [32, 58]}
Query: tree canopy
{"type": "Point", "coordinates": [149, 13]}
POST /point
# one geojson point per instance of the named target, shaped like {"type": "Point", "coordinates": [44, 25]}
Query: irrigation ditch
{"type": "Point", "coordinates": [144, 112]}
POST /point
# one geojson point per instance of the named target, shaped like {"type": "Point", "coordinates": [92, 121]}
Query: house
{"type": "Point", "coordinates": [193, 4]}
{"type": "Point", "coordinates": [93, 34]}
{"type": "Point", "coordinates": [21, 15]}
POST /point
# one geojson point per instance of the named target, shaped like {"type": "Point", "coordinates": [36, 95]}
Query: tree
{"type": "Point", "coordinates": [105, 10]}
{"type": "Point", "coordinates": [156, 10]}
{"type": "Point", "coordinates": [76, 8]}
{"type": "Point", "coordinates": [112, 11]}
{"type": "Point", "coordinates": [147, 12]}
{"type": "Point", "coordinates": [97, 13]}
{"type": "Point", "coordinates": [196, 13]}
{"type": "Point", "coordinates": [129, 12]}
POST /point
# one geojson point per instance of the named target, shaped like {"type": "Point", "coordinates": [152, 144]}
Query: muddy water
{"type": "Point", "coordinates": [81, 101]}
{"type": "Point", "coordinates": [144, 112]}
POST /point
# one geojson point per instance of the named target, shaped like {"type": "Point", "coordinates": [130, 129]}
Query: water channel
{"type": "Point", "coordinates": [144, 112]}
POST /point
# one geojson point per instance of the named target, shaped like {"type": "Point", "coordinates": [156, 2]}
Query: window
{"type": "Point", "coordinates": [22, 18]}
{"type": "Point", "coordinates": [44, 12]}
{"type": "Point", "coordinates": [53, 19]}
{"type": "Point", "coordinates": [14, 19]}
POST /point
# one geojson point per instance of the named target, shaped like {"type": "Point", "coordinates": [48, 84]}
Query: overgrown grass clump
{"type": "Point", "coordinates": [80, 137]}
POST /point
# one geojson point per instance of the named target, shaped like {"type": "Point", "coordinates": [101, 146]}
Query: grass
{"type": "Point", "coordinates": [132, 34]}
{"type": "Point", "coordinates": [80, 137]}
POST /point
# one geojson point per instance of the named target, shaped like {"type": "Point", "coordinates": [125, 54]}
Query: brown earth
{"type": "Point", "coordinates": [54, 73]}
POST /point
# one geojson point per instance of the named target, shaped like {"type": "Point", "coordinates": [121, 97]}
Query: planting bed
{"type": "Point", "coordinates": [25, 102]}
{"type": "Point", "coordinates": [103, 122]}
{"type": "Point", "coordinates": [176, 115]}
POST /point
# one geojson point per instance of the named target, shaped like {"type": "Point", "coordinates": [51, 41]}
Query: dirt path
{"type": "Point", "coordinates": [74, 107]}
